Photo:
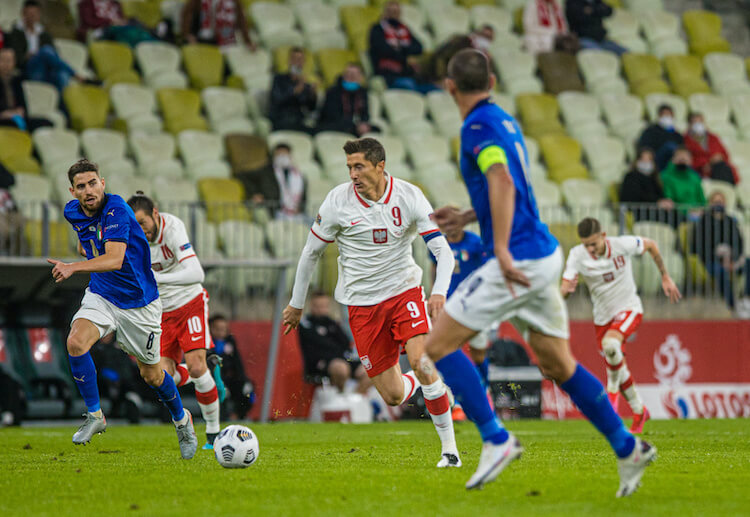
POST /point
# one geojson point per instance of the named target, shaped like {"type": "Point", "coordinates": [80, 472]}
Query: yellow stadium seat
{"type": "Point", "coordinates": [357, 22]}
{"type": "Point", "coordinates": [281, 63]}
{"type": "Point", "coordinates": [539, 114]}
{"type": "Point", "coordinates": [181, 109]}
{"type": "Point", "coordinates": [204, 65]}
{"type": "Point", "coordinates": [332, 61]}
{"type": "Point", "coordinates": [224, 199]}
{"type": "Point", "coordinates": [703, 29]}
{"type": "Point", "coordinates": [562, 154]}
{"type": "Point", "coordinates": [15, 151]}
{"type": "Point", "coordinates": [148, 12]}
{"type": "Point", "coordinates": [59, 242]}
{"type": "Point", "coordinates": [113, 62]}
{"type": "Point", "coordinates": [644, 73]}
{"type": "Point", "coordinates": [686, 74]}
{"type": "Point", "coordinates": [88, 106]}
{"type": "Point", "coordinates": [566, 234]}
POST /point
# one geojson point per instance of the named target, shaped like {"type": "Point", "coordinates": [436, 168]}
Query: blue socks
{"type": "Point", "coordinates": [84, 374]}
{"type": "Point", "coordinates": [169, 395]}
{"type": "Point", "coordinates": [484, 372]}
{"type": "Point", "coordinates": [463, 378]}
{"type": "Point", "coordinates": [588, 394]}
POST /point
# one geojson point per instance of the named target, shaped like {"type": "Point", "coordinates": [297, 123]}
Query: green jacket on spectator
{"type": "Point", "coordinates": [682, 185]}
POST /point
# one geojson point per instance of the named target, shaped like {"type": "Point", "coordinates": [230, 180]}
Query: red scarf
{"type": "Point", "coordinates": [222, 18]}
{"type": "Point", "coordinates": [396, 37]}
{"type": "Point", "coordinates": [546, 11]}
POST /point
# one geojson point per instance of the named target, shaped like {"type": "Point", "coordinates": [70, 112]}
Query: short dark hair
{"type": "Point", "coordinates": [663, 107]}
{"type": "Point", "coordinates": [588, 227]}
{"type": "Point", "coordinates": [470, 70]}
{"type": "Point", "coordinates": [32, 3]}
{"type": "Point", "coordinates": [216, 317]}
{"type": "Point", "coordinates": [281, 145]}
{"type": "Point", "coordinates": [80, 166]}
{"type": "Point", "coordinates": [295, 49]}
{"type": "Point", "coordinates": [373, 150]}
{"type": "Point", "coordinates": [694, 114]}
{"type": "Point", "coordinates": [141, 201]}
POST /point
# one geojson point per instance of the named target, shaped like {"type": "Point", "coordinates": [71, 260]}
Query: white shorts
{"type": "Point", "coordinates": [483, 298]}
{"type": "Point", "coordinates": [481, 341]}
{"type": "Point", "coordinates": [138, 330]}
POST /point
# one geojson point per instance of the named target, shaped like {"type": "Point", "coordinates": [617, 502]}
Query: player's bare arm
{"type": "Point", "coordinates": [667, 284]}
{"type": "Point", "coordinates": [502, 201]}
{"type": "Point", "coordinates": [110, 260]}
{"type": "Point", "coordinates": [568, 287]}
{"type": "Point", "coordinates": [451, 218]}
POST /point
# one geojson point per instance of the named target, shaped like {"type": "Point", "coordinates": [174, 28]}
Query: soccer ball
{"type": "Point", "coordinates": [236, 447]}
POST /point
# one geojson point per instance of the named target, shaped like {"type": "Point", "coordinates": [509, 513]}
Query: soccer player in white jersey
{"type": "Point", "coordinates": [184, 324]}
{"type": "Point", "coordinates": [605, 263]}
{"type": "Point", "coordinates": [374, 218]}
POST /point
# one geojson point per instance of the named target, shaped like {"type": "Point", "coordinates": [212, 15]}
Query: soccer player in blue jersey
{"type": "Point", "coordinates": [121, 296]}
{"type": "Point", "coordinates": [519, 284]}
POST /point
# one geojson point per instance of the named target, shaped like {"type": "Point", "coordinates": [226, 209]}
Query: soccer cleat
{"type": "Point", "coordinates": [209, 445]}
{"type": "Point", "coordinates": [91, 426]}
{"type": "Point", "coordinates": [614, 399]}
{"type": "Point", "coordinates": [631, 467]}
{"type": "Point", "coordinates": [639, 420]}
{"type": "Point", "coordinates": [458, 414]}
{"type": "Point", "coordinates": [493, 460]}
{"type": "Point", "coordinates": [449, 460]}
{"type": "Point", "coordinates": [186, 437]}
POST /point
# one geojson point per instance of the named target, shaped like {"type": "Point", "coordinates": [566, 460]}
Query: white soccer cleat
{"type": "Point", "coordinates": [449, 460]}
{"type": "Point", "coordinates": [631, 467]}
{"type": "Point", "coordinates": [493, 460]}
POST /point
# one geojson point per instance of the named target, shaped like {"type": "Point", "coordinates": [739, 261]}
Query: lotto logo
{"type": "Point", "coordinates": [380, 236]}
{"type": "Point", "coordinates": [366, 362]}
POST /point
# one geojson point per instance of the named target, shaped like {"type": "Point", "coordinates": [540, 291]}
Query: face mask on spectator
{"type": "Point", "coordinates": [394, 21]}
{"type": "Point", "coordinates": [350, 86]}
{"type": "Point", "coordinates": [645, 167]}
{"type": "Point", "coordinates": [682, 167]}
{"type": "Point", "coordinates": [295, 70]}
{"type": "Point", "coordinates": [666, 121]}
{"type": "Point", "coordinates": [698, 128]}
{"type": "Point", "coordinates": [717, 208]}
{"type": "Point", "coordinates": [282, 161]}
{"type": "Point", "coordinates": [482, 43]}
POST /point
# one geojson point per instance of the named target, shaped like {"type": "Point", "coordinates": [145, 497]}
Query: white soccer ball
{"type": "Point", "coordinates": [236, 447]}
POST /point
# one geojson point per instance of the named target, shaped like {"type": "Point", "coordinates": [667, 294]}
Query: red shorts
{"type": "Point", "coordinates": [381, 331]}
{"type": "Point", "coordinates": [626, 323]}
{"type": "Point", "coordinates": [186, 329]}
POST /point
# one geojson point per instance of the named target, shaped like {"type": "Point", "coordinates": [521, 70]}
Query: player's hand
{"type": "Point", "coordinates": [435, 305]}
{"type": "Point", "coordinates": [670, 289]}
{"type": "Point", "coordinates": [448, 218]}
{"type": "Point", "coordinates": [568, 287]}
{"type": "Point", "coordinates": [61, 271]}
{"type": "Point", "coordinates": [512, 274]}
{"type": "Point", "coordinates": [290, 318]}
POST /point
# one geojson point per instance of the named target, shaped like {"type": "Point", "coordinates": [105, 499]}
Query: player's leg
{"type": "Point", "coordinates": [478, 353]}
{"type": "Point", "coordinates": [205, 392]}
{"type": "Point", "coordinates": [339, 372]}
{"type": "Point", "coordinates": [436, 401]}
{"type": "Point", "coordinates": [395, 387]}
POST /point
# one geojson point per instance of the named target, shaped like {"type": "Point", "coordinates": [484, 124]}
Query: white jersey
{"type": "Point", "coordinates": [609, 277]}
{"type": "Point", "coordinates": [374, 240]}
{"type": "Point", "coordinates": [170, 248]}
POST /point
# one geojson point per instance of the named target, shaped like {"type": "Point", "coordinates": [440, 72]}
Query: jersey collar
{"type": "Point", "coordinates": [608, 252]}
{"type": "Point", "coordinates": [386, 195]}
{"type": "Point", "coordinates": [483, 102]}
{"type": "Point", "coordinates": [105, 200]}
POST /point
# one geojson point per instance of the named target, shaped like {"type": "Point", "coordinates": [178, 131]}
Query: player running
{"type": "Point", "coordinates": [121, 296]}
{"type": "Point", "coordinates": [179, 274]}
{"type": "Point", "coordinates": [518, 284]}
{"type": "Point", "coordinates": [606, 267]}
{"type": "Point", "coordinates": [374, 219]}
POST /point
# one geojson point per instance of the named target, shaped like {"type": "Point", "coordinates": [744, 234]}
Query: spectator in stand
{"type": "Point", "coordinates": [641, 186]}
{"type": "Point", "coordinates": [717, 240]}
{"type": "Point", "coordinates": [391, 46]}
{"type": "Point", "coordinates": [240, 389]}
{"type": "Point", "coordinates": [585, 19]}
{"type": "Point", "coordinates": [661, 136]}
{"type": "Point", "coordinates": [543, 25]}
{"type": "Point", "coordinates": [710, 158]}
{"type": "Point", "coordinates": [11, 221]}
{"type": "Point", "coordinates": [282, 185]}
{"type": "Point", "coordinates": [326, 349]}
{"type": "Point", "coordinates": [436, 67]}
{"type": "Point", "coordinates": [12, 98]}
{"type": "Point", "coordinates": [681, 183]}
{"type": "Point", "coordinates": [35, 52]}
{"type": "Point", "coordinates": [215, 22]}
{"type": "Point", "coordinates": [104, 19]}
{"type": "Point", "coordinates": [346, 107]}
{"type": "Point", "coordinates": [293, 98]}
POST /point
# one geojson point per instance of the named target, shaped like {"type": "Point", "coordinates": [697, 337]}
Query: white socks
{"type": "Point", "coordinates": [438, 404]}
{"type": "Point", "coordinates": [208, 400]}
{"type": "Point", "coordinates": [618, 375]}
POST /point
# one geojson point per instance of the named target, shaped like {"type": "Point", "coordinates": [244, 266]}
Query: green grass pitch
{"type": "Point", "coordinates": [703, 469]}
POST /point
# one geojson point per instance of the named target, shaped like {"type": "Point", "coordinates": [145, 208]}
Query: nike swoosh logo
{"type": "Point", "coordinates": [196, 338]}
{"type": "Point", "coordinates": [417, 323]}
{"type": "Point", "coordinates": [356, 222]}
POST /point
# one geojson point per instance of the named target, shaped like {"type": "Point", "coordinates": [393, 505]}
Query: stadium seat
{"type": "Point", "coordinates": [532, 149]}
{"type": "Point", "coordinates": [318, 190]}
{"type": "Point", "coordinates": [413, 15]}
{"type": "Point", "coordinates": [400, 170]}
{"type": "Point", "coordinates": [395, 151]}
{"type": "Point", "coordinates": [436, 172]}
{"type": "Point", "coordinates": [743, 191]}
{"type": "Point", "coordinates": [726, 73]}
{"type": "Point", "coordinates": [624, 115]}
{"type": "Point", "coordinates": [284, 38]}
{"type": "Point", "coordinates": [155, 154]}
{"type": "Point", "coordinates": [578, 107]}
{"type": "Point", "coordinates": [334, 39]}
{"type": "Point", "coordinates": [246, 153]}
{"type": "Point", "coordinates": [444, 113]}
{"type": "Point", "coordinates": [500, 19]}
{"type": "Point", "coordinates": [76, 54]}
{"type": "Point", "coordinates": [424, 150]}
{"type": "Point", "coordinates": [331, 63]}
{"type": "Point", "coordinates": [172, 193]}
{"type": "Point", "coordinates": [448, 20]}
{"type": "Point", "coordinates": [402, 105]}
{"type": "Point", "coordinates": [686, 75]}
{"type": "Point", "coordinates": [740, 105]}
{"type": "Point", "coordinates": [31, 192]}
{"type": "Point", "coordinates": [559, 72]}
{"type": "Point", "coordinates": [538, 114]}
{"type": "Point", "coordinates": [562, 155]}
{"type": "Point", "coordinates": [415, 126]}
{"type": "Point", "coordinates": [56, 147]}
{"type": "Point", "coordinates": [253, 67]}
{"type": "Point", "coordinates": [126, 186]}
{"type": "Point", "coordinates": [606, 158]}
{"type": "Point", "coordinates": [224, 199]}
{"type": "Point", "coordinates": [43, 100]}
{"type": "Point", "coordinates": [135, 108]}
{"type": "Point", "coordinates": [244, 240]}
{"type": "Point", "coordinates": [582, 193]}
{"type": "Point", "coordinates": [329, 147]}
{"type": "Point", "coordinates": [88, 106]}
{"type": "Point", "coordinates": [715, 111]}
{"type": "Point", "coordinates": [659, 24]}
{"type": "Point", "coordinates": [623, 28]}
{"type": "Point", "coordinates": [113, 62]}
{"type": "Point", "coordinates": [314, 17]}
{"type": "Point", "coordinates": [270, 18]}
{"type": "Point", "coordinates": [730, 194]}
{"type": "Point", "coordinates": [227, 110]}
{"type": "Point", "coordinates": [301, 144]}
{"type": "Point", "coordinates": [566, 234]}
{"type": "Point", "coordinates": [204, 65]}
{"type": "Point", "coordinates": [644, 73]}
{"type": "Point", "coordinates": [181, 109]}
{"type": "Point", "coordinates": [601, 71]}
{"type": "Point", "coordinates": [678, 104]}
{"type": "Point", "coordinates": [517, 70]}
{"type": "Point", "coordinates": [664, 235]}
{"type": "Point", "coordinates": [703, 29]}
{"type": "Point", "coordinates": [160, 64]}
{"type": "Point", "coordinates": [357, 21]}
{"type": "Point", "coordinates": [15, 151]}
{"type": "Point", "coordinates": [59, 243]}
{"type": "Point", "coordinates": [647, 276]}
{"type": "Point", "coordinates": [103, 145]}
{"type": "Point", "coordinates": [449, 192]}
{"type": "Point", "coordinates": [198, 147]}
{"type": "Point", "coordinates": [507, 102]}
{"type": "Point", "coordinates": [547, 193]}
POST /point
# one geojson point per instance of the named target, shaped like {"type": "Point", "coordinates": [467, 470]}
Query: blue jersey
{"type": "Point", "coordinates": [133, 285]}
{"type": "Point", "coordinates": [469, 254]}
{"type": "Point", "coordinates": [488, 136]}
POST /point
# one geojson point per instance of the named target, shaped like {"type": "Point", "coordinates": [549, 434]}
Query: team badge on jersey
{"type": "Point", "coordinates": [318, 219]}
{"type": "Point", "coordinates": [365, 360]}
{"type": "Point", "coordinates": [380, 236]}
{"type": "Point", "coordinates": [99, 231]}
{"type": "Point", "coordinates": [185, 247]}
